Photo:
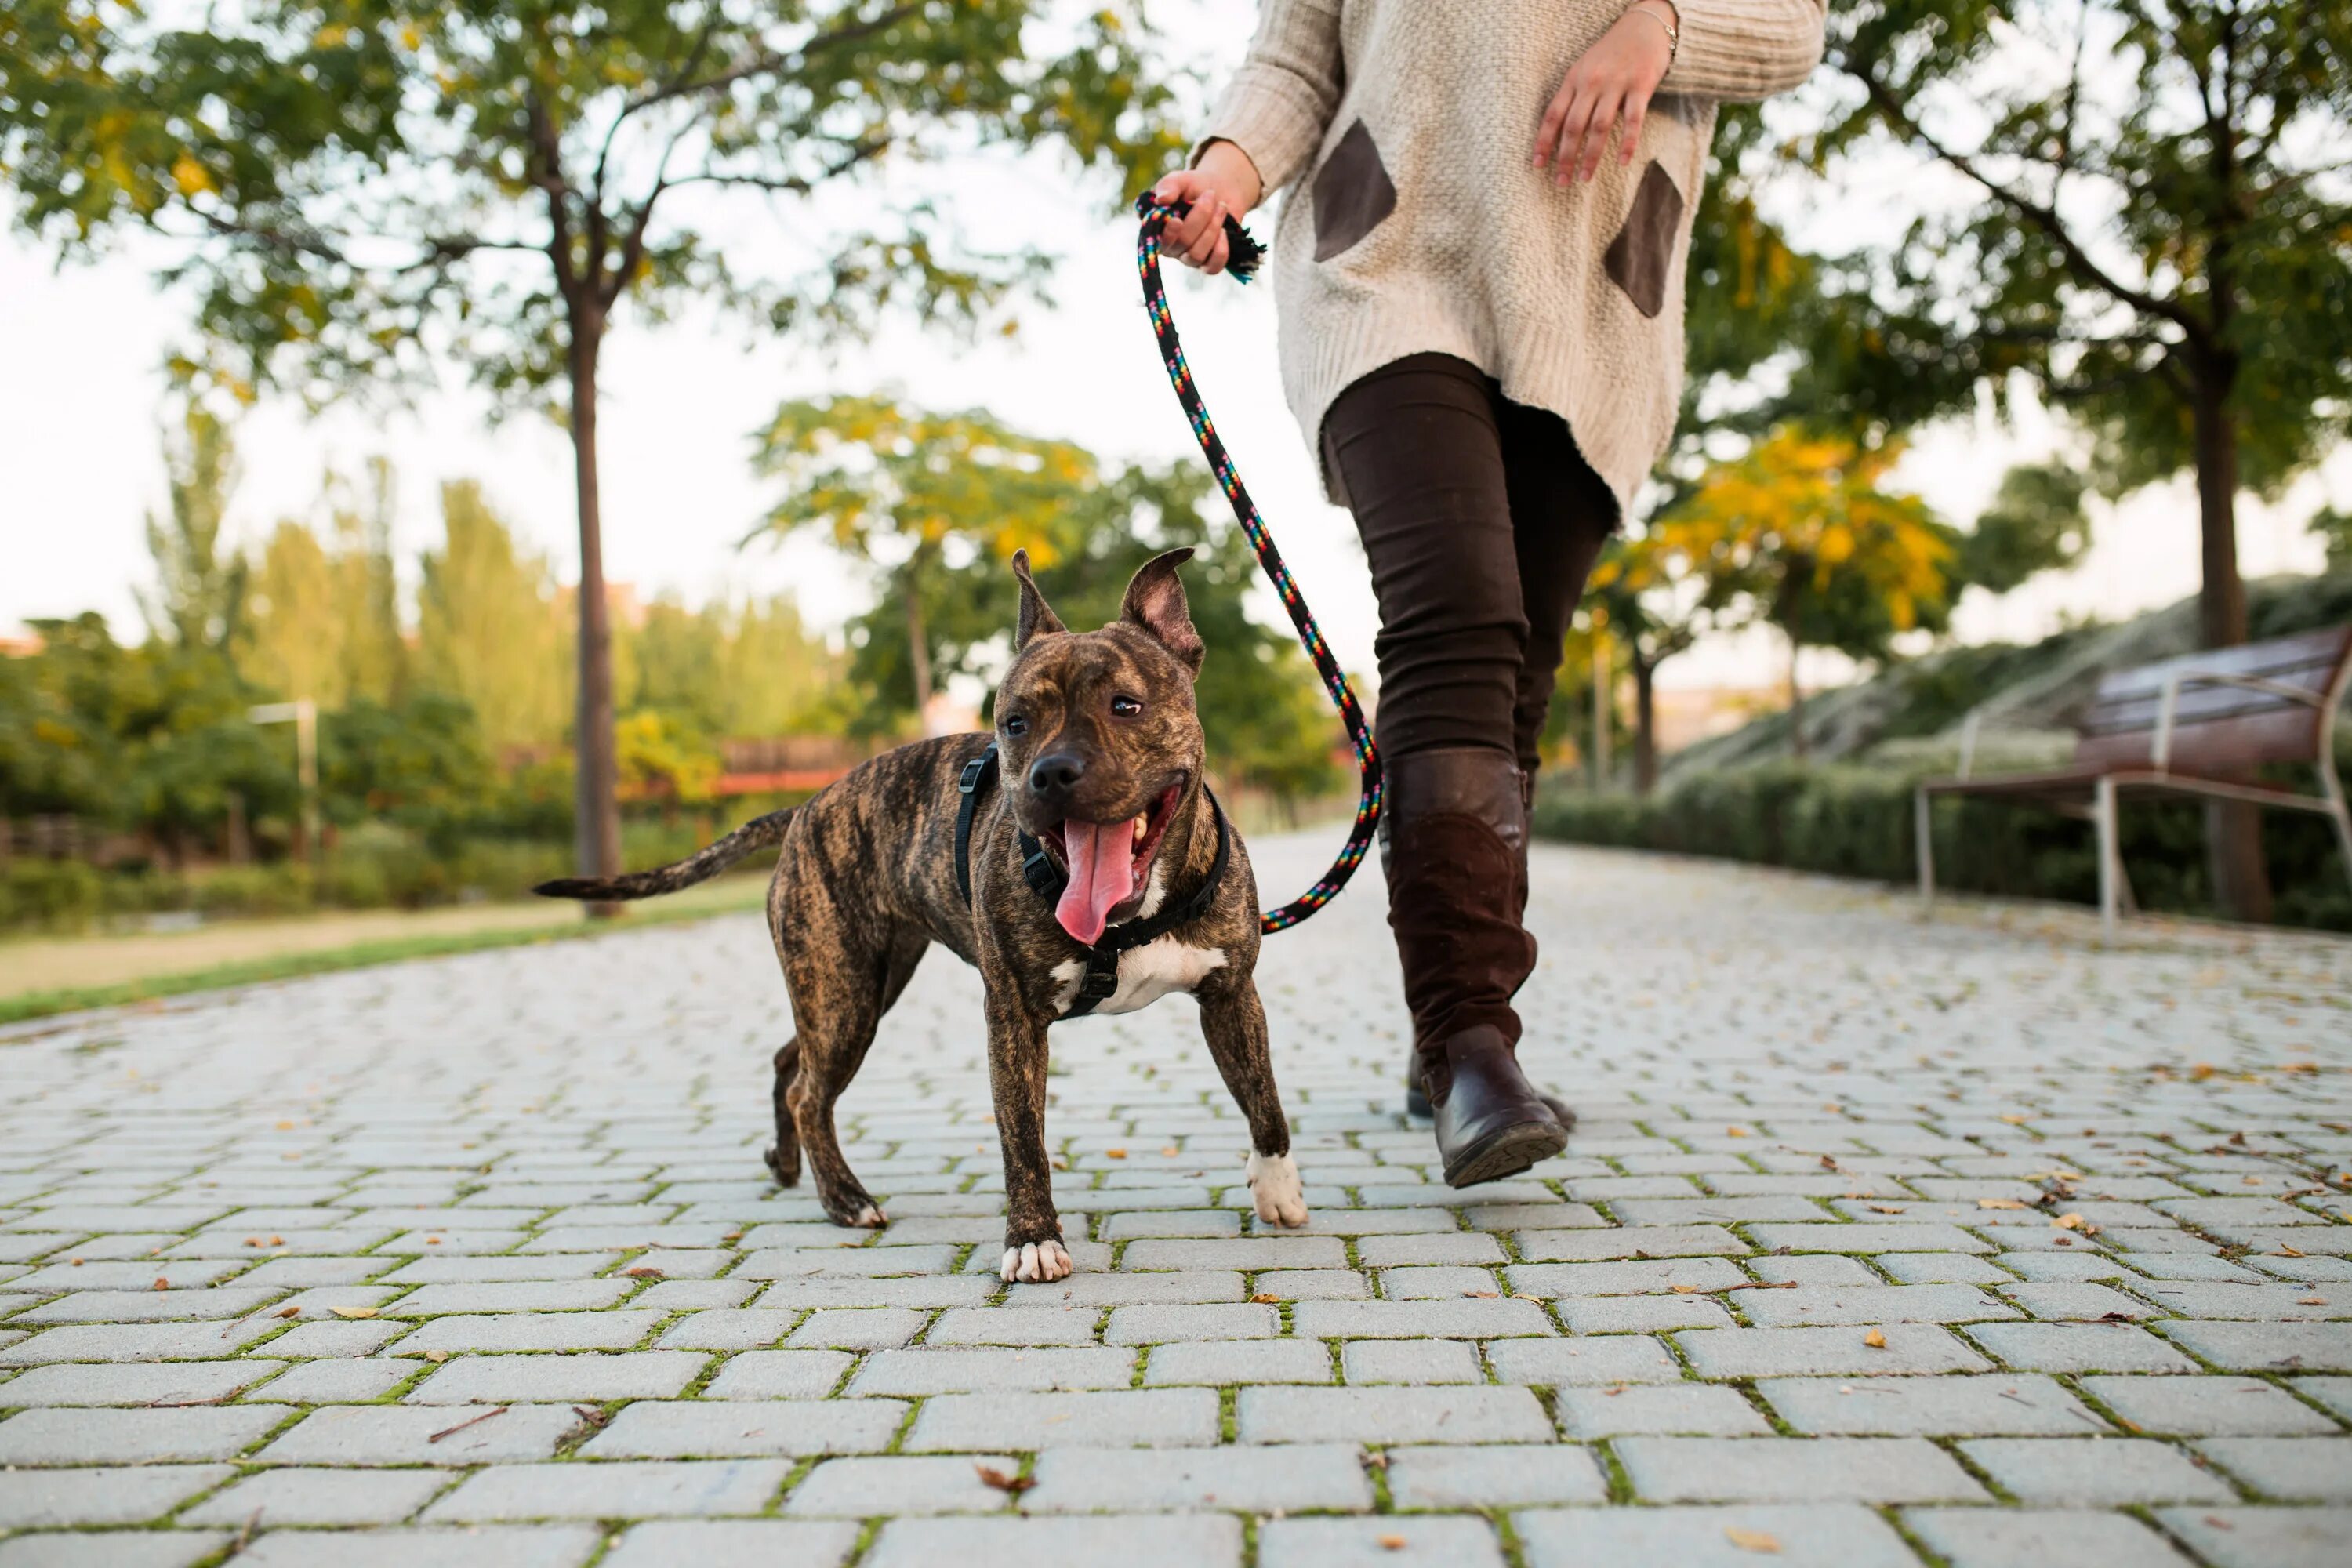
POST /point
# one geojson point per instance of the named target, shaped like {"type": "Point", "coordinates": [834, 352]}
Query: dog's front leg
{"type": "Point", "coordinates": [1233, 1023]}
{"type": "Point", "coordinates": [1016, 1080]}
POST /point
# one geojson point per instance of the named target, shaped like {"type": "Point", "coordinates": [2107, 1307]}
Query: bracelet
{"type": "Point", "coordinates": [1673, 33]}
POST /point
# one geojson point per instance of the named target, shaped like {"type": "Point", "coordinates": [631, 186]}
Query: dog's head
{"type": "Point", "coordinates": [1101, 744]}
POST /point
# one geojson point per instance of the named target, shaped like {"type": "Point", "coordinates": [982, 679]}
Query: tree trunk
{"type": "Point", "coordinates": [2233, 829]}
{"type": "Point", "coordinates": [1601, 763]}
{"type": "Point", "coordinates": [1795, 703]}
{"type": "Point", "coordinates": [596, 809]}
{"type": "Point", "coordinates": [918, 655]}
{"type": "Point", "coordinates": [1645, 723]}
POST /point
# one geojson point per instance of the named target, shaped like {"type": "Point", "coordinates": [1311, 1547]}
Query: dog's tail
{"type": "Point", "coordinates": [757, 834]}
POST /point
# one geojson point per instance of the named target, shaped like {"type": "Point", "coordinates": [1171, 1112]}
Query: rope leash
{"type": "Point", "coordinates": [1243, 254]}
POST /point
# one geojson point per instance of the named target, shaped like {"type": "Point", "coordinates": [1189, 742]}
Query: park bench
{"type": "Point", "coordinates": [2196, 725]}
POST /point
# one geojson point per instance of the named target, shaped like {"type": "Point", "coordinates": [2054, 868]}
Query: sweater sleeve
{"type": "Point", "coordinates": [1282, 99]}
{"type": "Point", "coordinates": [1744, 51]}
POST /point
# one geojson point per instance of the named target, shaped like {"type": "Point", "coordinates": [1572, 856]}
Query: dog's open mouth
{"type": "Point", "coordinates": [1108, 863]}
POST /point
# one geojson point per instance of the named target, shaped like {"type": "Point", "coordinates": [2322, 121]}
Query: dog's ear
{"type": "Point", "coordinates": [1155, 602]}
{"type": "Point", "coordinates": [1037, 617]}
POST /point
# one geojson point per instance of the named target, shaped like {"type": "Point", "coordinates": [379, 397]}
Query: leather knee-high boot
{"type": "Point", "coordinates": [1454, 833]}
{"type": "Point", "coordinates": [1416, 1102]}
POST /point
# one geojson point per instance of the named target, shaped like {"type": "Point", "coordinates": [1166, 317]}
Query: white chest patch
{"type": "Point", "coordinates": [1145, 974]}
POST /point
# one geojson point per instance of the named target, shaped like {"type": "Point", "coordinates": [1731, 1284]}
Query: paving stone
{"type": "Point", "coordinates": [1793, 1470]}
{"type": "Point", "coordinates": [337, 1382]}
{"type": "Point", "coordinates": [1166, 1324]}
{"type": "Point", "coordinates": [2094, 1472]}
{"type": "Point", "coordinates": [1645, 1241]}
{"type": "Point", "coordinates": [1615, 1358]}
{"type": "Point", "coordinates": [1637, 1279]}
{"type": "Point", "coordinates": [934, 1290]}
{"type": "Point", "coordinates": [529, 1332]}
{"type": "Point", "coordinates": [1460, 1317]}
{"type": "Point", "coordinates": [1148, 1418]}
{"type": "Point", "coordinates": [620, 1490]}
{"type": "Point", "coordinates": [2335, 1393]}
{"type": "Point", "coordinates": [2265, 1347]}
{"type": "Point", "coordinates": [1451, 1247]}
{"type": "Point", "coordinates": [1824, 1268]}
{"type": "Point", "coordinates": [654, 1429]}
{"type": "Point", "coordinates": [1798, 1352]}
{"type": "Point", "coordinates": [1192, 1541]}
{"type": "Point", "coordinates": [2000, 1404]}
{"type": "Point", "coordinates": [1623, 1410]}
{"type": "Point", "coordinates": [2262, 1537]}
{"type": "Point", "coordinates": [1239, 1362]}
{"type": "Point", "coordinates": [878, 1487]}
{"type": "Point", "coordinates": [2207, 1407]}
{"type": "Point", "coordinates": [1827, 1535]}
{"type": "Point", "coordinates": [1976, 1538]}
{"type": "Point", "coordinates": [781, 1375]}
{"type": "Point", "coordinates": [1391, 1414]}
{"type": "Point", "coordinates": [404, 1434]}
{"type": "Point", "coordinates": [2081, 1302]}
{"type": "Point", "coordinates": [1314, 1285]}
{"type": "Point", "coordinates": [1862, 1237]}
{"type": "Point", "coordinates": [1641, 1314]}
{"type": "Point", "coordinates": [41, 1498]}
{"type": "Point", "coordinates": [1375, 1543]}
{"type": "Point", "coordinates": [320, 1497]}
{"type": "Point", "coordinates": [146, 1549]}
{"type": "Point", "coordinates": [1250, 1254]}
{"type": "Point", "coordinates": [1942, 1268]}
{"type": "Point", "coordinates": [2079, 1347]}
{"type": "Point", "coordinates": [134, 1341]}
{"type": "Point", "coordinates": [562, 1378]}
{"type": "Point", "coordinates": [1497, 1477]}
{"type": "Point", "coordinates": [1300, 1477]}
{"type": "Point", "coordinates": [542, 1296]}
{"type": "Point", "coordinates": [927, 1371]}
{"type": "Point", "coordinates": [1409, 1362]}
{"type": "Point", "coordinates": [59, 1435]}
{"type": "Point", "coordinates": [2298, 1469]}
{"type": "Point", "coordinates": [857, 1329]}
{"type": "Point", "coordinates": [133, 1382]}
{"type": "Point", "coordinates": [728, 1328]}
{"type": "Point", "coordinates": [1013, 1326]}
{"type": "Point", "coordinates": [735, 1544]}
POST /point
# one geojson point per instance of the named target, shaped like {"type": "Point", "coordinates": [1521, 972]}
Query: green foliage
{"type": "Point", "coordinates": [198, 597]}
{"type": "Point", "coordinates": [1852, 821]}
{"type": "Point", "coordinates": [324, 623]}
{"type": "Point", "coordinates": [945, 499]}
{"type": "Point", "coordinates": [2035, 524]}
{"type": "Point", "coordinates": [357, 186]}
{"type": "Point", "coordinates": [486, 628]}
{"type": "Point", "coordinates": [2157, 216]}
{"type": "Point", "coordinates": [2333, 527]}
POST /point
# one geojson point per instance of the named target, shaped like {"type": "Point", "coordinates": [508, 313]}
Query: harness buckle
{"type": "Point", "coordinates": [1101, 980]}
{"type": "Point", "coordinates": [972, 769]}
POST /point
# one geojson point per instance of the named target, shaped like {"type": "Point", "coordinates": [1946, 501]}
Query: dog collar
{"type": "Point", "coordinates": [1047, 880]}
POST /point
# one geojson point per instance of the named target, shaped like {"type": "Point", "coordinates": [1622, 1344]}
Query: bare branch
{"type": "Point", "coordinates": [764, 62]}
{"type": "Point", "coordinates": [2036, 213]}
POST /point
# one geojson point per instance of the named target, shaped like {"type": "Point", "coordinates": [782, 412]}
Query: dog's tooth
{"type": "Point", "coordinates": [1142, 826]}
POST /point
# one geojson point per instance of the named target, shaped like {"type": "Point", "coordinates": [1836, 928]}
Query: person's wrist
{"type": "Point", "coordinates": [1668, 18]}
{"type": "Point", "coordinates": [1225, 162]}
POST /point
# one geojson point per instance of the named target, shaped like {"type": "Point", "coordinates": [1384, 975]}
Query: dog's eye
{"type": "Point", "coordinates": [1125, 707]}
{"type": "Point", "coordinates": [1015, 725]}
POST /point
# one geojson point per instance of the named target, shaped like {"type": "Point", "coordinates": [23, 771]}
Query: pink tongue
{"type": "Point", "coordinates": [1102, 876]}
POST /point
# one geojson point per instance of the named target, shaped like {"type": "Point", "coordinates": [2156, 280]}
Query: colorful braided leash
{"type": "Point", "coordinates": [1243, 254]}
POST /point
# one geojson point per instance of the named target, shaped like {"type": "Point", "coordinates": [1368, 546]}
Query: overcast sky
{"type": "Point", "coordinates": [82, 399]}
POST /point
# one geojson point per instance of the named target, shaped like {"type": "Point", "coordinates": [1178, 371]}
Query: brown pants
{"type": "Point", "coordinates": [1481, 522]}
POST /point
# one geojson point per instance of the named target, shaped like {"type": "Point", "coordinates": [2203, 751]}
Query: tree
{"type": "Point", "coordinates": [1801, 535]}
{"type": "Point", "coordinates": [2333, 527]}
{"type": "Point", "coordinates": [904, 490]}
{"type": "Point", "coordinates": [358, 187]}
{"type": "Point", "coordinates": [951, 497]}
{"type": "Point", "coordinates": [486, 628]}
{"type": "Point", "coordinates": [2035, 524]}
{"type": "Point", "coordinates": [1649, 596]}
{"type": "Point", "coordinates": [2154, 237]}
{"type": "Point", "coordinates": [198, 598]}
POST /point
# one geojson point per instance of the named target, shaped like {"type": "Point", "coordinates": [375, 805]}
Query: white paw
{"type": "Point", "coordinates": [1274, 1183]}
{"type": "Point", "coordinates": [870, 1216]}
{"type": "Point", "coordinates": [1037, 1262]}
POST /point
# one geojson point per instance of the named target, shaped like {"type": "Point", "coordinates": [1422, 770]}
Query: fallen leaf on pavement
{"type": "Point", "coordinates": [1265, 1298]}
{"type": "Point", "coordinates": [2015, 1120]}
{"type": "Point", "coordinates": [2000, 1204]}
{"type": "Point", "coordinates": [288, 1312]}
{"type": "Point", "coordinates": [1735, 1132]}
{"type": "Point", "coordinates": [1170, 1151]}
{"type": "Point", "coordinates": [642, 1271]}
{"type": "Point", "coordinates": [1885, 1208]}
{"type": "Point", "coordinates": [1115, 1154]}
{"type": "Point", "coordinates": [990, 1476]}
{"type": "Point", "coordinates": [2311, 1300]}
{"type": "Point", "coordinates": [1393, 1542]}
{"type": "Point", "coordinates": [352, 1312]}
{"type": "Point", "coordinates": [460, 1426]}
{"type": "Point", "coordinates": [1875, 1340]}
{"type": "Point", "coordinates": [2283, 1251]}
{"type": "Point", "coordinates": [1750, 1540]}
{"type": "Point", "coordinates": [162, 1283]}
{"type": "Point", "coordinates": [1482, 1295]}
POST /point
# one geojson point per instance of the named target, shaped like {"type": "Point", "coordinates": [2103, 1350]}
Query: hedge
{"type": "Point", "coordinates": [1856, 821]}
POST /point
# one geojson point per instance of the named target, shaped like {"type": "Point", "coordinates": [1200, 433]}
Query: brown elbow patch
{"type": "Point", "coordinates": [1353, 193]}
{"type": "Point", "coordinates": [1637, 259]}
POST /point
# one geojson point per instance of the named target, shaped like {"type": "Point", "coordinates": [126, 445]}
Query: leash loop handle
{"type": "Point", "coordinates": [1245, 253]}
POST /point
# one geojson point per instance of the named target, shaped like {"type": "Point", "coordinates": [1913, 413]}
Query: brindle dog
{"type": "Point", "coordinates": [1101, 754]}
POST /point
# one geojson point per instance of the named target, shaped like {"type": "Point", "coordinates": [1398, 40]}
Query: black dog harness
{"type": "Point", "coordinates": [1047, 880]}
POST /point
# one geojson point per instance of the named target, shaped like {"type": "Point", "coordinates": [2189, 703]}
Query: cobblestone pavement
{"type": "Point", "coordinates": [1967, 1242]}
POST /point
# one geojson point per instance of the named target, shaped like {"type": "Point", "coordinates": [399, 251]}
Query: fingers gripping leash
{"type": "Point", "coordinates": [1245, 253]}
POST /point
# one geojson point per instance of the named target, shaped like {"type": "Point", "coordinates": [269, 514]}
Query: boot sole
{"type": "Point", "coordinates": [1505, 1152]}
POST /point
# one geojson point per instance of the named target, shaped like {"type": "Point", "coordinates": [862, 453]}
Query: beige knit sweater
{"type": "Point", "coordinates": [1417, 223]}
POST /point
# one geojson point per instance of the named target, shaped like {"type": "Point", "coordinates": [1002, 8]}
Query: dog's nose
{"type": "Point", "coordinates": [1056, 771]}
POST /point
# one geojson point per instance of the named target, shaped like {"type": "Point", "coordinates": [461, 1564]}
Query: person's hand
{"type": "Point", "coordinates": [1612, 80]}
{"type": "Point", "coordinates": [1223, 183]}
